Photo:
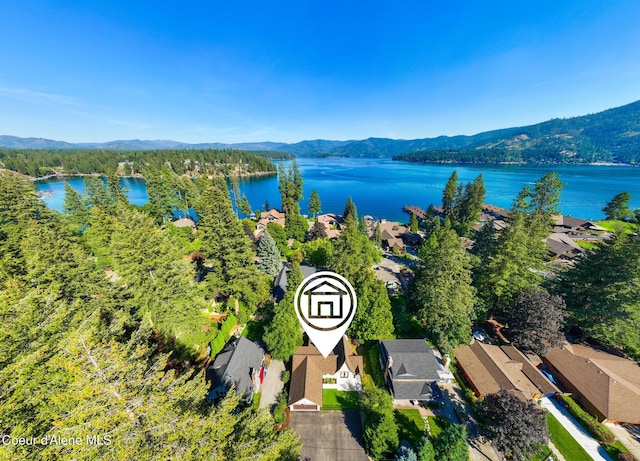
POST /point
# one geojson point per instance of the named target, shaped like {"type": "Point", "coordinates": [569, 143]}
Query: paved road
{"type": "Point", "coordinates": [629, 436]}
{"type": "Point", "coordinates": [329, 435]}
{"type": "Point", "coordinates": [590, 445]}
{"type": "Point", "coordinates": [272, 385]}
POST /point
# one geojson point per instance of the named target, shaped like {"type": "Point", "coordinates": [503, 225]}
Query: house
{"type": "Point", "coordinates": [496, 212]}
{"type": "Point", "coordinates": [325, 301]}
{"type": "Point", "coordinates": [608, 386]}
{"type": "Point", "coordinates": [563, 247]}
{"type": "Point", "coordinates": [280, 284]}
{"type": "Point", "coordinates": [311, 373]}
{"type": "Point", "coordinates": [411, 368]}
{"type": "Point", "coordinates": [239, 364]}
{"type": "Point", "coordinates": [569, 224]}
{"type": "Point", "coordinates": [271, 216]}
{"type": "Point", "coordinates": [331, 223]}
{"type": "Point", "coordinates": [488, 368]}
{"type": "Point", "coordinates": [184, 222]}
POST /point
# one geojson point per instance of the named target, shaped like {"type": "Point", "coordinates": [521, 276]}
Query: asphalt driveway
{"type": "Point", "coordinates": [329, 435]}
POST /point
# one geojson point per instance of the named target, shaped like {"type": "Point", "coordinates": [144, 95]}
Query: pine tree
{"type": "Point", "coordinates": [618, 207]}
{"type": "Point", "coordinates": [442, 294]}
{"type": "Point", "coordinates": [373, 319]}
{"type": "Point", "coordinates": [283, 334]}
{"type": "Point", "coordinates": [354, 254]}
{"type": "Point", "coordinates": [413, 223]}
{"type": "Point", "coordinates": [315, 206]}
{"type": "Point", "coordinates": [449, 194]}
{"type": "Point", "coordinates": [75, 207]}
{"type": "Point", "coordinates": [270, 262]}
{"type": "Point", "coordinates": [228, 250]}
{"type": "Point", "coordinates": [245, 206]}
{"type": "Point", "coordinates": [350, 212]}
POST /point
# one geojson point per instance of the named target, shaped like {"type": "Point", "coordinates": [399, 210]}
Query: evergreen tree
{"type": "Point", "coordinates": [315, 206]}
{"type": "Point", "coordinates": [245, 206]}
{"type": "Point", "coordinates": [270, 259]}
{"type": "Point", "coordinates": [99, 195]}
{"type": "Point", "coordinates": [283, 334]}
{"type": "Point", "coordinates": [290, 187]}
{"type": "Point", "coordinates": [426, 452]}
{"type": "Point", "coordinates": [75, 208]}
{"type": "Point", "coordinates": [468, 206]}
{"type": "Point", "coordinates": [413, 223]}
{"type": "Point", "coordinates": [442, 294]}
{"type": "Point", "coordinates": [354, 254]}
{"type": "Point", "coordinates": [602, 294]}
{"type": "Point", "coordinates": [618, 207]}
{"type": "Point", "coordinates": [296, 227]}
{"type": "Point", "coordinates": [228, 250]}
{"type": "Point", "coordinates": [373, 319]}
{"type": "Point", "coordinates": [449, 194]}
{"type": "Point", "coordinates": [377, 236]}
{"type": "Point", "coordinates": [118, 193]}
{"type": "Point", "coordinates": [350, 212]}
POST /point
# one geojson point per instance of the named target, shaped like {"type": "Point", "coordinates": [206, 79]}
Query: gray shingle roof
{"type": "Point", "coordinates": [234, 365]}
{"type": "Point", "coordinates": [413, 367]}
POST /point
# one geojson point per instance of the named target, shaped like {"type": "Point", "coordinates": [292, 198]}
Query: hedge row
{"type": "Point", "coordinates": [223, 335]}
{"type": "Point", "coordinates": [596, 428]}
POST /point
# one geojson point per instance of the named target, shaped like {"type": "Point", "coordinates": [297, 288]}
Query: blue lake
{"type": "Point", "coordinates": [381, 187]}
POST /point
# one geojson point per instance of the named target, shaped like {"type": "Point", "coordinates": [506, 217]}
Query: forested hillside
{"type": "Point", "coordinates": [43, 162]}
{"type": "Point", "coordinates": [104, 326]}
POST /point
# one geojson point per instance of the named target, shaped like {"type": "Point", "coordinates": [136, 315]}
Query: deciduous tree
{"type": "Point", "coordinates": [536, 319]}
{"type": "Point", "coordinates": [517, 427]}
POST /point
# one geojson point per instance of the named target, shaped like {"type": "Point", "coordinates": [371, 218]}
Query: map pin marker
{"type": "Point", "coordinates": [325, 303]}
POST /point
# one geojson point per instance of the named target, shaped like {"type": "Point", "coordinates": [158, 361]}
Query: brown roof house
{"type": "Point", "coordinates": [331, 223]}
{"type": "Point", "coordinates": [272, 215]}
{"type": "Point", "coordinates": [607, 385]}
{"type": "Point", "coordinates": [489, 368]}
{"type": "Point", "coordinates": [311, 373]}
{"type": "Point", "coordinates": [411, 369]}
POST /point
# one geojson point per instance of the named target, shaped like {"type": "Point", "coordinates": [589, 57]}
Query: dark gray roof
{"type": "Point", "coordinates": [280, 284]}
{"type": "Point", "coordinates": [413, 367]}
{"type": "Point", "coordinates": [411, 390]}
{"type": "Point", "coordinates": [234, 365]}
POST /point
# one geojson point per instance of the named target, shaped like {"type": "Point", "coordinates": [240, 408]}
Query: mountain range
{"type": "Point", "coordinates": [609, 136]}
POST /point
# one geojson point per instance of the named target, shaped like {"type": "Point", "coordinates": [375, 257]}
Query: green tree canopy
{"type": "Point", "coordinates": [270, 261]}
{"type": "Point", "coordinates": [442, 295]}
{"type": "Point", "coordinates": [618, 207]}
{"type": "Point", "coordinates": [315, 206]}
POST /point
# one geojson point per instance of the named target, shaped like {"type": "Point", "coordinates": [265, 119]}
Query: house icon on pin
{"type": "Point", "coordinates": [325, 301]}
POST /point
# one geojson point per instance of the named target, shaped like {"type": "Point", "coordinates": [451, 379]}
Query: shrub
{"type": "Point", "coordinates": [595, 428]}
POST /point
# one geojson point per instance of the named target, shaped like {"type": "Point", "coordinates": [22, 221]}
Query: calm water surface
{"type": "Point", "coordinates": [381, 187]}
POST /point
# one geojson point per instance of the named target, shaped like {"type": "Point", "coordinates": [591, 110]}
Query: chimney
{"type": "Point", "coordinates": [447, 361]}
{"type": "Point", "coordinates": [389, 362]}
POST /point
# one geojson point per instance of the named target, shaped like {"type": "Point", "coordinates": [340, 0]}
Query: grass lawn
{"type": "Point", "coordinates": [410, 425]}
{"type": "Point", "coordinates": [436, 425]}
{"type": "Point", "coordinates": [587, 245]}
{"type": "Point", "coordinates": [564, 442]}
{"type": "Point", "coordinates": [611, 226]}
{"type": "Point", "coordinates": [334, 400]}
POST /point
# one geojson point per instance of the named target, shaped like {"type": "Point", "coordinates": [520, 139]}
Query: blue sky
{"type": "Point", "coordinates": [207, 71]}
